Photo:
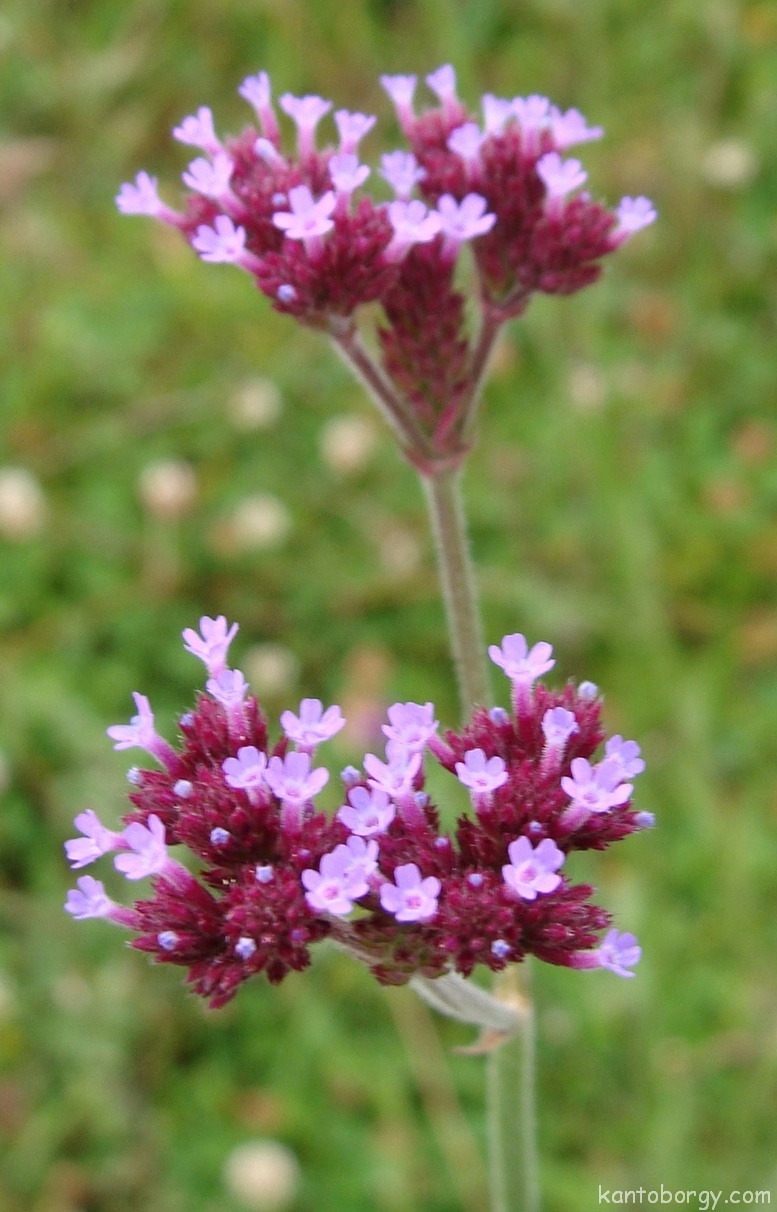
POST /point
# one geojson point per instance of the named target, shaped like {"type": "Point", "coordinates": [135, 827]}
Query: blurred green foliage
{"type": "Point", "coordinates": [622, 500]}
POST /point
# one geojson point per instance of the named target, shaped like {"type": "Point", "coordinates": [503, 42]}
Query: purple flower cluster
{"type": "Point", "coordinates": [382, 878]}
{"type": "Point", "coordinates": [320, 247]}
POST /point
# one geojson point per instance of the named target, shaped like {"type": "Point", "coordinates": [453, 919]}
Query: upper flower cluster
{"type": "Point", "coordinates": [382, 877]}
{"type": "Point", "coordinates": [320, 247]}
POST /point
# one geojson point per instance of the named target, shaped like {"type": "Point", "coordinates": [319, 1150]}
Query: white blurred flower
{"type": "Point", "coordinates": [22, 504]}
{"type": "Point", "coordinates": [259, 522]}
{"type": "Point", "coordinates": [271, 669]}
{"type": "Point", "coordinates": [262, 1175]}
{"type": "Point", "coordinates": [587, 387]}
{"type": "Point", "coordinates": [730, 164]}
{"type": "Point", "coordinates": [168, 488]}
{"type": "Point", "coordinates": [257, 404]}
{"type": "Point", "coordinates": [347, 443]}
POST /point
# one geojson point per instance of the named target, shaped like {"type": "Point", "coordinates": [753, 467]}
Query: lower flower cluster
{"type": "Point", "coordinates": [382, 878]}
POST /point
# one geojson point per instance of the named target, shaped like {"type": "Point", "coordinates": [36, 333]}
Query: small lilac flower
{"type": "Point", "coordinates": [646, 820]}
{"type": "Point", "coordinates": [596, 788]}
{"type": "Point", "coordinates": [534, 115]}
{"type": "Point", "coordinates": [559, 176]}
{"type": "Point", "coordinates": [148, 850]}
{"type": "Point", "coordinates": [140, 733]}
{"type": "Point", "coordinates": [89, 899]}
{"type": "Point", "coordinates": [183, 788]}
{"type": "Point", "coordinates": [463, 220]}
{"type": "Point", "coordinates": [531, 871]}
{"type": "Point", "coordinates": [401, 90]}
{"type": "Point", "coordinates": [362, 863]}
{"type": "Point", "coordinates": [402, 171]}
{"type": "Point", "coordinates": [571, 127]}
{"type": "Point", "coordinates": [142, 198]}
{"type": "Point", "coordinates": [368, 812]}
{"type": "Point", "coordinates": [210, 177]}
{"type": "Point", "coordinates": [313, 725]}
{"type": "Point", "coordinates": [558, 725]}
{"type": "Point", "coordinates": [442, 82]}
{"type": "Point", "coordinates": [627, 754]}
{"type": "Point", "coordinates": [588, 691]}
{"type": "Point", "coordinates": [346, 173]}
{"type": "Point", "coordinates": [465, 141]}
{"type": "Point", "coordinates": [410, 898]}
{"type": "Point", "coordinates": [413, 224]}
{"type": "Point", "coordinates": [246, 771]}
{"type": "Point", "coordinates": [331, 889]}
{"type": "Point", "coordinates": [286, 293]}
{"type": "Point", "coordinates": [496, 112]}
{"type": "Point", "coordinates": [211, 643]}
{"type": "Point", "coordinates": [633, 214]}
{"type": "Point", "coordinates": [168, 940]}
{"type": "Point", "coordinates": [198, 130]}
{"type": "Point", "coordinates": [481, 774]}
{"type": "Point", "coordinates": [500, 948]}
{"type": "Point", "coordinates": [291, 779]}
{"type": "Point", "coordinates": [219, 836]}
{"type": "Point", "coordinates": [307, 220]}
{"type": "Point", "coordinates": [267, 151]}
{"type": "Point", "coordinates": [395, 776]}
{"type": "Point", "coordinates": [257, 92]}
{"type": "Point", "coordinates": [228, 688]}
{"type": "Point", "coordinates": [264, 873]}
{"type": "Point", "coordinates": [97, 840]}
{"type": "Point", "coordinates": [499, 716]}
{"type": "Point", "coordinates": [245, 947]}
{"type": "Point", "coordinates": [619, 952]}
{"type": "Point", "coordinates": [410, 724]}
{"type": "Point", "coordinates": [352, 128]}
{"type": "Point", "coordinates": [306, 112]}
{"type": "Point", "coordinates": [521, 663]}
{"type": "Point", "coordinates": [224, 244]}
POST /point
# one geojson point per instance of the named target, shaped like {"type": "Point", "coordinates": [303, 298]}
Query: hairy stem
{"type": "Point", "coordinates": [511, 1113]}
{"type": "Point", "coordinates": [443, 497]}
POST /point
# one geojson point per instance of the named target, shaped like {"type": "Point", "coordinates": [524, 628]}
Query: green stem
{"type": "Point", "coordinates": [510, 1085]}
{"type": "Point", "coordinates": [511, 1119]}
{"type": "Point", "coordinates": [443, 497]}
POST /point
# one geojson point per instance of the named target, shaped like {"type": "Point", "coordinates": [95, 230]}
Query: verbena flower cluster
{"type": "Point", "coordinates": [320, 247]}
{"type": "Point", "coordinates": [381, 878]}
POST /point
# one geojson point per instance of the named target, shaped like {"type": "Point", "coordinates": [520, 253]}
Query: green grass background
{"type": "Point", "coordinates": [622, 502]}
